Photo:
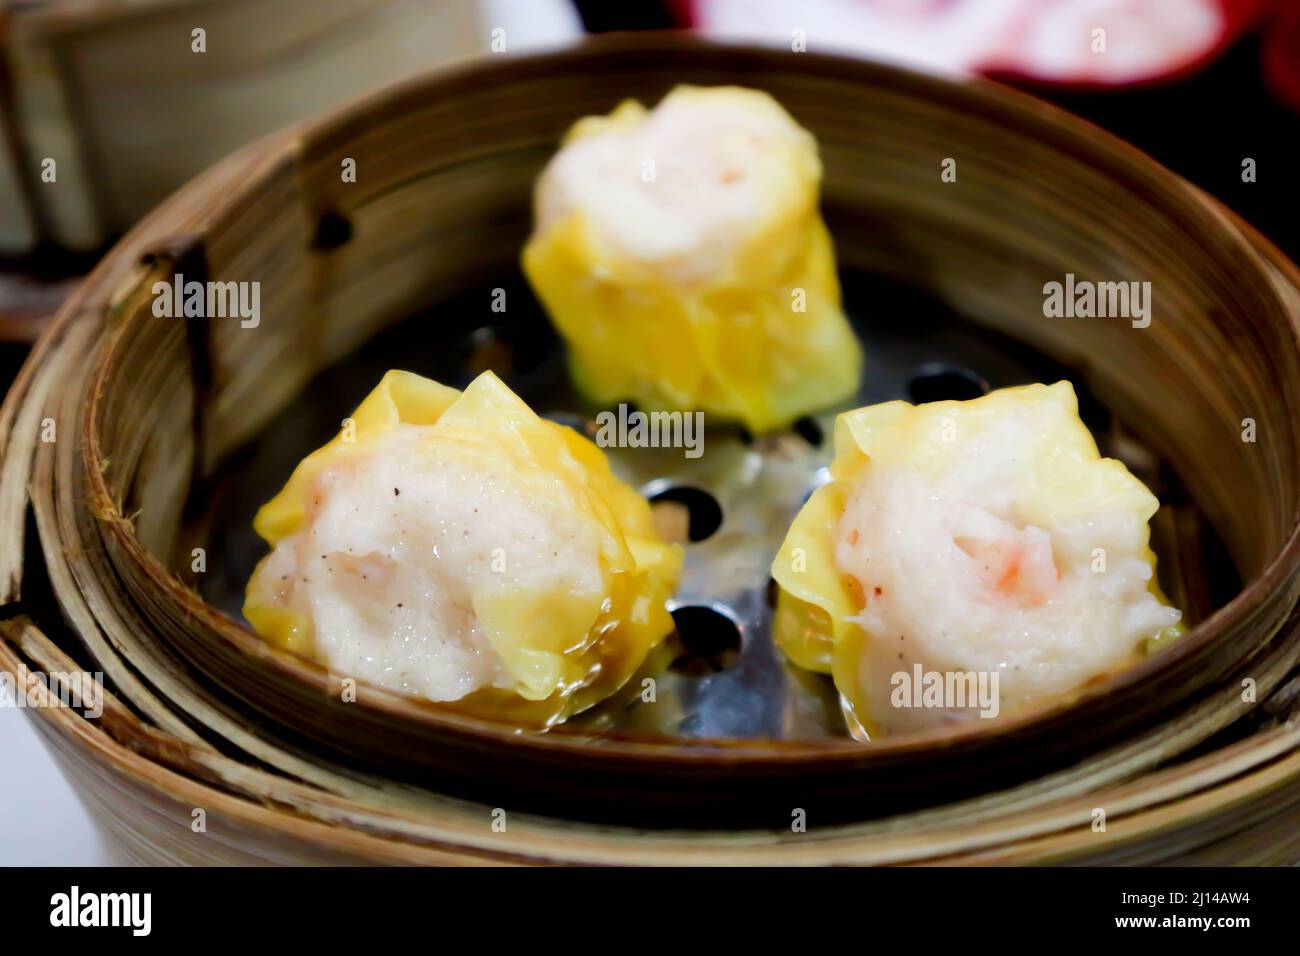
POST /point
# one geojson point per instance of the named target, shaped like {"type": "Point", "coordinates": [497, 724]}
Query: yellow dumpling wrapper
{"type": "Point", "coordinates": [1060, 480]}
{"type": "Point", "coordinates": [560, 649]}
{"type": "Point", "coordinates": [693, 270]}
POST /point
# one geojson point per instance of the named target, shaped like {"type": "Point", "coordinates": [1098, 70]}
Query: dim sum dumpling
{"type": "Point", "coordinates": [681, 254]}
{"type": "Point", "coordinates": [969, 538]}
{"type": "Point", "coordinates": [455, 546]}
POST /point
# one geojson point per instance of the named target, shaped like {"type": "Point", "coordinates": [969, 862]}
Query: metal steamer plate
{"type": "Point", "coordinates": [720, 675]}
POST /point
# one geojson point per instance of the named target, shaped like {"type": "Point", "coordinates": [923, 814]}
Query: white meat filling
{"type": "Point", "coordinates": [954, 578]}
{"type": "Point", "coordinates": [682, 190]}
{"type": "Point", "coordinates": [399, 543]}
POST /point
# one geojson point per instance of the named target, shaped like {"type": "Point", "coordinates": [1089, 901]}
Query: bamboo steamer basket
{"type": "Point", "coordinates": [1185, 766]}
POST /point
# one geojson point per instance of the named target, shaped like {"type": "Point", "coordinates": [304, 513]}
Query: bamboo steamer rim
{"type": "Point", "coordinates": [1153, 819]}
{"type": "Point", "coordinates": [287, 149]}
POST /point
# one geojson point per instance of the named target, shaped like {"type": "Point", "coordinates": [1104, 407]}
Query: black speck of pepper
{"type": "Point", "coordinates": [397, 491]}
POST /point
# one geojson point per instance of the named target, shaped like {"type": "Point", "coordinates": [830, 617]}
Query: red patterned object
{"type": "Point", "coordinates": [1078, 43]}
{"type": "Point", "coordinates": [1282, 53]}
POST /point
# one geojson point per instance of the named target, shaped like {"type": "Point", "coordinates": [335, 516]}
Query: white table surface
{"type": "Point", "coordinates": [42, 823]}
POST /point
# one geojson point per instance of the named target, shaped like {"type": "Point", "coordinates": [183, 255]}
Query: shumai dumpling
{"type": "Point", "coordinates": [961, 539]}
{"type": "Point", "coordinates": [455, 546]}
{"type": "Point", "coordinates": [681, 255]}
